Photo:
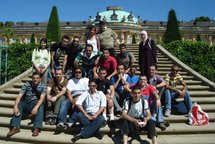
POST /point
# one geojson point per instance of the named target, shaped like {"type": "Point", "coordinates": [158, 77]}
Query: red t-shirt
{"type": "Point", "coordinates": [148, 93]}
{"type": "Point", "coordinates": [110, 64]}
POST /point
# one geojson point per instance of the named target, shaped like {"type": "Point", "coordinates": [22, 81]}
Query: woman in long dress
{"type": "Point", "coordinates": [147, 53]}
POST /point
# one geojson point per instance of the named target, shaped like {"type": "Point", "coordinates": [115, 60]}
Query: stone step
{"type": "Point", "coordinates": [195, 87]}
{"type": "Point", "coordinates": [7, 103]}
{"type": "Point", "coordinates": [11, 142]}
{"type": "Point", "coordinates": [49, 138]}
{"type": "Point", "coordinates": [167, 72]}
{"type": "Point", "coordinates": [164, 65]}
{"type": "Point", "coordinates": [204, 100]}
{"type": "Point", "coordinates": [202, 93]}
{"type": "Point", "coordinates": [185, 77]}
{"type": "Point", "coordinates": [166, 69]}
{"type": "Point", "coordinates": [4, 96]}
{"type": "Point", "coordinates": [192, 82]}
{"type": "Point", "coordinates": [12, 90]}
{"type": "Point", "coordinates": [174, 128]}
{"type": "Point", "coordinates": [24, 80]}
{"type": "Point", "coordinates": [6, 109]}
{"type": "Point", "coordinates": [18, 85]}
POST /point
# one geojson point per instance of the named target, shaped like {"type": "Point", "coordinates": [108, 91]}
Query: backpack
{"type": "Point", "coordinates": [130, 102]}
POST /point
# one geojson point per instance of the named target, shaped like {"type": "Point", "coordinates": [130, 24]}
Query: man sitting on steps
{"type": "Point", "coordinates": [91, 105]}
{"type": "Point", "coordinates": [172, 92]}
{"type": "Point", "coordinates": [30, 100]}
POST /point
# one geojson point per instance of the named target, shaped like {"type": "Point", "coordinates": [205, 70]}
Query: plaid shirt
{"type": "Point", "coordinates": [31, 93]}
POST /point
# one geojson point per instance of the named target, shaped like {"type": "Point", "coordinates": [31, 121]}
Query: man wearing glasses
{"type": "Point", "coordinates": [91, 105]}
{"type": "Point", "coordinates": [173, 92]}
{"type": "Point", "coordinates": [58, 49]}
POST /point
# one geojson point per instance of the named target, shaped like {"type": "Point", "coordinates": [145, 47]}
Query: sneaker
{"type": "Point", "coordinates": [118, 114]}
{"type": "Point", "coordinates": [69, 124]}
{"type": "Point", "coordinates": [61, 125]}
{"type": "Point", "coordinates": [161, 126]}
{"type": "Point", "coordinates": [52, 121]}
{"type": "Point", "coordinates": [112, 118]}
{"type": "Point", "coordinates": [76, 137]}
{"type": "Point", "coordinates": [167, 113]}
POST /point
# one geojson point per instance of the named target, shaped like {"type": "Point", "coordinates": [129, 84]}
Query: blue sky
{"type": "Point", "coordinates": [79, 10]}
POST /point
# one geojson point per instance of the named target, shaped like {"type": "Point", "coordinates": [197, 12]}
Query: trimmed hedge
{"type": "Point", "coordinates": [19, 59]}
{"type": "Point", "coordinates": [200, 56]}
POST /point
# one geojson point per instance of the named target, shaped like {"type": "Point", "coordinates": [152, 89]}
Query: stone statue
{"type": "Point", "coordinates": [130, 17]}
{"type": "Point", "coordinates": [98, 17]}
{"type": "Point", "coordinates": [114, 16]}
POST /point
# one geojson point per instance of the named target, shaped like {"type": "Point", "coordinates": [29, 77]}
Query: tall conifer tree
{"type": "Point", "coordinates": [53, 29]}
{"type": "Point", "coordinates": [32, 38]}
{"type": "Point", "coordinates": [172, 29]}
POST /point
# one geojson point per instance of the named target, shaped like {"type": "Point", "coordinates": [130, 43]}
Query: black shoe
{"type": "Point", "coordinates": [161, 126]}
{"type": "Point", "coordinates": [48, 121]}
{"type": "Point", "coordinates": [104, 124]}
{"type": "Point", "coordinates": [118, 113]}
{"type": "Point", "coordinates": [53, 121]}
{"type": "Point", "coordinates": [112, 124]}
{"type": "Point", "coordinates": [98, 135]}
{"type": "Point", "coordinates": [167, 123]}
{"type": "Point", "coordinates": [76, 137]}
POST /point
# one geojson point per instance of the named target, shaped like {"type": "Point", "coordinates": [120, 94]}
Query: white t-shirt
{"type": "Point", "coordinates": [136, 109]}
{"type": "Point", "coordinates": [77, 86]}
{"type": "Point", "coordinates": [93, 42]}
{"type": "Point", "coordinates": [91, 103]}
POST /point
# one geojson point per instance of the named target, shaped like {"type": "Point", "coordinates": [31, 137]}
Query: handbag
{"type": "Point", "coordinates": [179, 107]}
{"type": "Point", "coordinates": [197, 116]}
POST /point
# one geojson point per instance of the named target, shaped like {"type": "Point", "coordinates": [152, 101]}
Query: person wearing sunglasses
{"type": "Point", "coordinates": [75, 87]}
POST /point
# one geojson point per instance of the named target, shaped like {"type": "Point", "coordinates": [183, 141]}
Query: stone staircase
{"type": "Point", "coordinates": [201, 90]}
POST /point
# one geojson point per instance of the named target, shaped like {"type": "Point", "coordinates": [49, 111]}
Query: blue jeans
{"type": "Point", "coordinates": [117, 107]}
{"type": "Point", "coordinates": [156, 112]}
{"type": "Point", "coordinates": [88, 71]}
{"type": "Point", "coordinates": [27, 107]}
{"type": "Point", "coordinates": [90, 127]}
{"type": "Point", "coordinates": [63, 112]}
{"type": "Point", "coordinates": [171, 95]}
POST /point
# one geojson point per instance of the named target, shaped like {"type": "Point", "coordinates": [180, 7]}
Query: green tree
{"type": "Point", "coordinates": [8, 33]}
{"type": "Point", "coordinates": [1, 24]}
{"type": "Point", "coordinates": [133, 39]}
{"type": "Point", "coordinates": [202, 19]}
{"type": "Point", "coordinates": [32, 38]}
{"type": "Point", "coordinates": [198, 37]}
{"type": "Point", "coordinates": [53, 29]}
{"type": "Point", "coordinates": [172, 29]}
{"type": "Point", "coordinates": [9, 23]}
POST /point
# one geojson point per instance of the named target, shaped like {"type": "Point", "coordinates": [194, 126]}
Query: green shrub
{"type": "Point", "coordinates": [198, 55]}
{"type": "Point", "coordinates": [19, 59]}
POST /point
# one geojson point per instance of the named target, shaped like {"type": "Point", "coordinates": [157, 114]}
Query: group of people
{"type": "Point", "coordinates": [94, 84]}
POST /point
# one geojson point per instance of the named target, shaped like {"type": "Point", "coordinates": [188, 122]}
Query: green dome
{"type": "Point", "coordinates": [115, 14]}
